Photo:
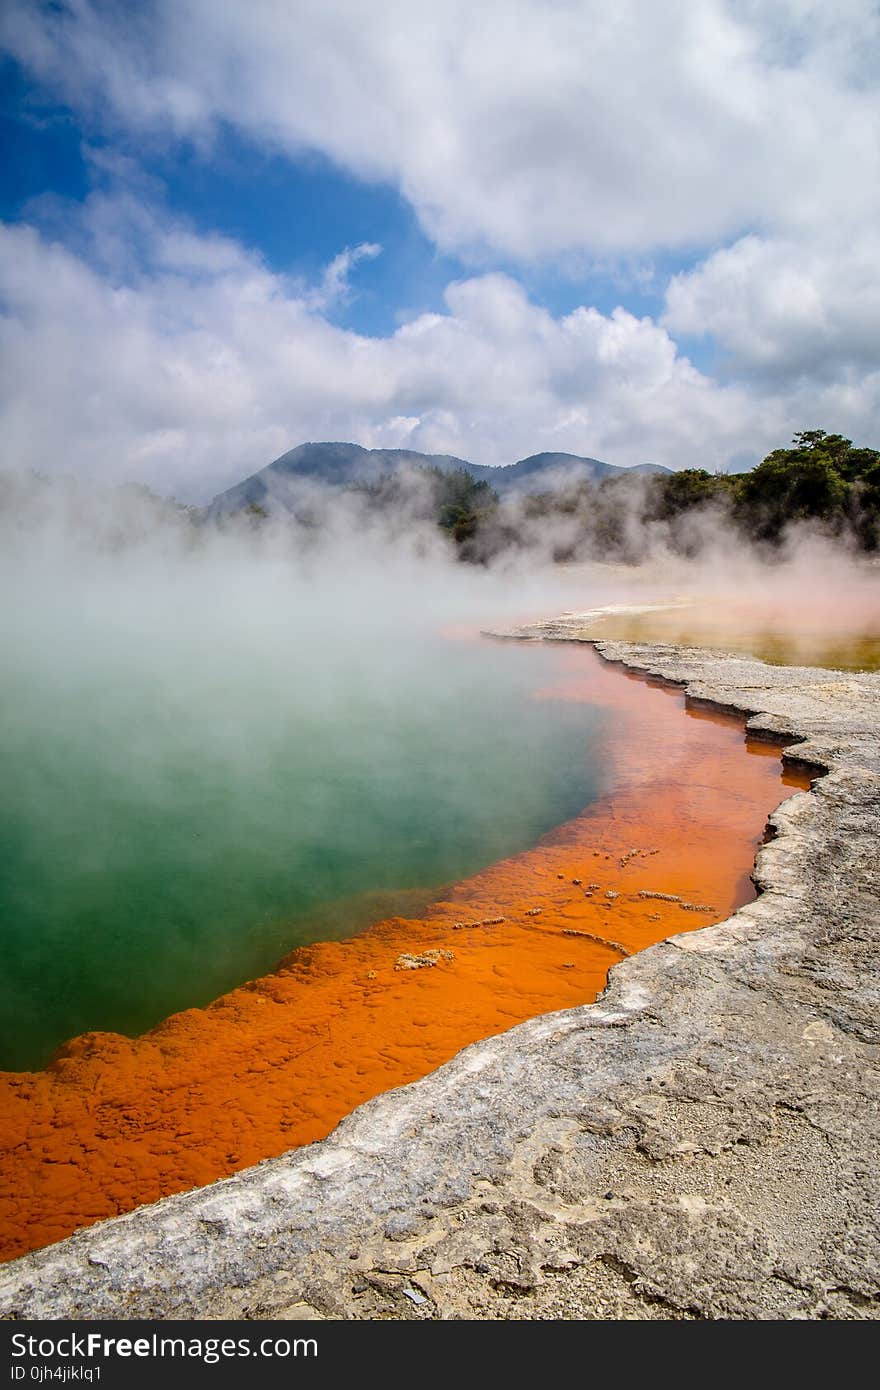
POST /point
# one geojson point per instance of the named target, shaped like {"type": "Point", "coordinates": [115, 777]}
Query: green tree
{"type": "Point", "coordinates": [462, 504]}
{"type": "Point", "coordinates": [812, 480]}
{"type": "Point", "coordinates": [674, 493]}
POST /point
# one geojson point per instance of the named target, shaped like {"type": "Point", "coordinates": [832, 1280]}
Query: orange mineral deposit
{"type": "Point", "coordinates": [115, 1122]}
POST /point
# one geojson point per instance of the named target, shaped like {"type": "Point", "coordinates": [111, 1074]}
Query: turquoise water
{"type": "Point", "coordinates": [178, 815]}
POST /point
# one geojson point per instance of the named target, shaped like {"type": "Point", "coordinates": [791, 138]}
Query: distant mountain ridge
{"type": "Point", "coordinates": [340, 464]}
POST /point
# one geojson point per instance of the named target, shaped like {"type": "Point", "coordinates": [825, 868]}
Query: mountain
{"type": "Point", "coordinates": [288, 477]}
{"type": "Point", "coordinates": [544, 470]}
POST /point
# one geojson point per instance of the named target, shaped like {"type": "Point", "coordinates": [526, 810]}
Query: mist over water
{"type": "Point", "coordinates": [215, 754]}
{"type": "Point", "coordinates": [219, 745]}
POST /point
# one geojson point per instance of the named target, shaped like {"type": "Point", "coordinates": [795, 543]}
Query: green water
{"type": "Point", "coordinates": [174, 822]}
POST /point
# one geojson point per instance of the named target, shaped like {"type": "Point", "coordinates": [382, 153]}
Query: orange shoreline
{"type": "Point", "coordinates": [115, 1122]}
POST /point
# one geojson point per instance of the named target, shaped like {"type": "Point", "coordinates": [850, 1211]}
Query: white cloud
{"type": "Point", "coordinates": [572, 129]}
{"type": "Point", "coordinates": [531, 127]}
{"type": "Point", "coordinates": [784, 308]}
{"type": "Point", "coordinates": [202, 367]}
{"type": "Point", "coordinates": [335, 287]}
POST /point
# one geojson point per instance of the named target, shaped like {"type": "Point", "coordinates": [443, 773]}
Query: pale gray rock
{"type": "Point", "coordinates": [700, 1143]}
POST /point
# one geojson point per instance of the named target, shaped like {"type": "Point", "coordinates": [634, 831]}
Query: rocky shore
{"type": "Point", "coordinates": [700, 1143]}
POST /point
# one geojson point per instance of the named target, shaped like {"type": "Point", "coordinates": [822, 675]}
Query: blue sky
{"type": "Point", "coordinates": [296, 213]}
{"type": "Point", "coordinates": [228, 229]}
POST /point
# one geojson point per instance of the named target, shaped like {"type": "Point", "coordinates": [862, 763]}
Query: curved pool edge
{"type": "Point", "coordinates": [698, 1143]}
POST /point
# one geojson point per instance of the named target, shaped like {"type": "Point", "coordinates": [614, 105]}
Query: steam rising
{"type": "Point", "coordinates": [227, 738]}
{"type": "Point", "coordinates": [219, 744]}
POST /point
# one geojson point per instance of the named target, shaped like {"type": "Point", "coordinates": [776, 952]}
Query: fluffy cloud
{"type": "Point", "coordinates": [523, 126]}
{"type": "Point", "coordinates": [740, 131]}
{"type": "Point", "coordinates": [200, 365]}
{"type": "Point", "coordinates": [784, 308]}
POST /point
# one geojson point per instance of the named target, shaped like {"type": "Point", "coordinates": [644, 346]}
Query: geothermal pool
{"type": "Point", "coordinates": [161, 845]}
{"type": "Point", "coordinates": [602, 817]}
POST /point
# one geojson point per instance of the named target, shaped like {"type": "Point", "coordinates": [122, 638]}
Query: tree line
{"type": "Point", "coordinates": [822, 479]}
